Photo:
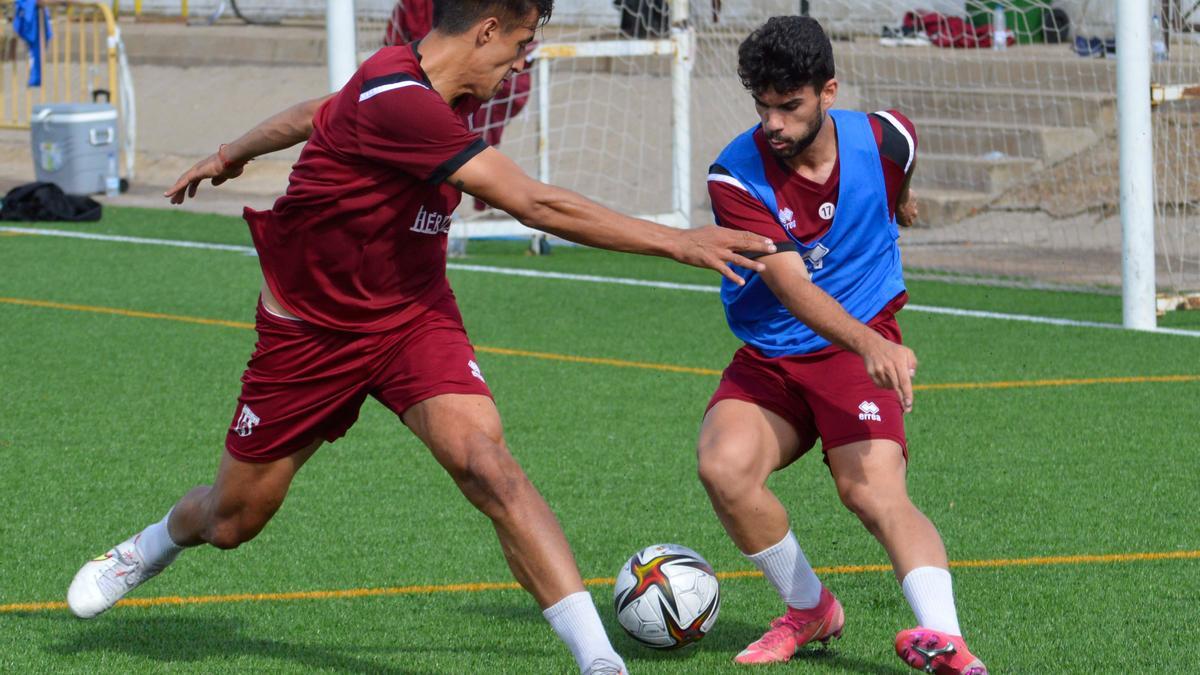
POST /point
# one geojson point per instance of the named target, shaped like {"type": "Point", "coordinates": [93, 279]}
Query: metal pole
{"type": "Point", "coordinates": [1136, 151]}
{"type": "Point", "coordinates": [537, 243]}
{"type": "Point", "coordinates": [681, 98]}
{"type": "Point", "coordinates": [340, 42]}
{"type": "Point", "coordinates": [543, 145]}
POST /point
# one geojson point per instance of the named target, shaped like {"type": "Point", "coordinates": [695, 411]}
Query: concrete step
{"type": "Point", "coordinates": [1026, 67]}
{"type": "Point", "coordinates": [985, 107]}
{"type": "Point", "coordinates": [974, 174]}
{"type": "Point", "coordinates": [958, 137]}
{"type": "Point", "coordinates": [940, 207]}
{"type": "Point", "coordinates": [176, 44]}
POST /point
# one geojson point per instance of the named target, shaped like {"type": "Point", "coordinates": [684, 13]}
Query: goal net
{"type": "Point", "coordinates": [1017, 173]}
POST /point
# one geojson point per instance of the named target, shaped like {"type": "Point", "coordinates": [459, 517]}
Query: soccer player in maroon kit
{"type": "Point", "coordinates": [356, 302]}
{"type": "Point", "coordinates": [823, 357]}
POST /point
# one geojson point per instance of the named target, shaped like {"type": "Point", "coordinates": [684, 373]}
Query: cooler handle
{"type": "Point", "coordinates": [42, 117]}
{"type": "Point", "coordinates": [95, 132]}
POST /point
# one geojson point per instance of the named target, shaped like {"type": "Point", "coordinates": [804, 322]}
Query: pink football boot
{"type": "Point", "coordinates": [936, 652]}
{"type": "Point", "coordinates": [795, 629]}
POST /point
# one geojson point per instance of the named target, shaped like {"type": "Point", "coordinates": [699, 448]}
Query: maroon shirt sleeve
{"type": "Point", "coordinates": [404, 124]}
{"type": "Point", "coordinates": [897, 150]}
{"type": "Point", "coordinates": [737, 210]}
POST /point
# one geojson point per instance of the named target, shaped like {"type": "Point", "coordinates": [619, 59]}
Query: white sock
{"type": "Point", "coordinates": [577, 623]}
{"type": "Point", "coordinates": [785, 566]}
{"type": "Point", "coordinates": [931, 595]}
{"type": "Point", "coordinates": [156, 546]}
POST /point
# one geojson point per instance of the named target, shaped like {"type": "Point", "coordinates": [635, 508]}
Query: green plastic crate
{"type": "Point", "coordinates": [1023, 17]}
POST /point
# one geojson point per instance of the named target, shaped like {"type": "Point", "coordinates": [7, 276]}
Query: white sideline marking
{"type": "Point", "coordinates": [669, 285]}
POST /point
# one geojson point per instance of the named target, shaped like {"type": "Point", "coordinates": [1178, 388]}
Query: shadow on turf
{"type": "Point", "coordinates": [178, 640]}
{"type": "Point", "coordinates": [730, 637]}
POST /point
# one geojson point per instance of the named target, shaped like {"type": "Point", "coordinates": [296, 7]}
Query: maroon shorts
{"type": "Point", "coordinates": [826, 395]}
{"type": "Point", "coordinates": [305, 383]}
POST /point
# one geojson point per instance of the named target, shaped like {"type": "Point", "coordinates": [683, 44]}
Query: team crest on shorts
{"type": "Point", "coordinates": [246, 422]}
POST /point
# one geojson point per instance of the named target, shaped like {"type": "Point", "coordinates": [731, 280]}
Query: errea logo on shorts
{"type": "Point", "coordinates": [475, 371]}
{"type": "Point", "coordinates": [869, 411]}
{"type": "Point", "coordinates": [246, 422]}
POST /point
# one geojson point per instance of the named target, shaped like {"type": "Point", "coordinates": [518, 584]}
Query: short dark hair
{"type": "Point", "coordinates": [786, 53]}
{"type": "Point", "coordinates": [455, 17]}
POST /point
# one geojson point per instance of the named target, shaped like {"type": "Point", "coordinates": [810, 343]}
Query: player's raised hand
{"type": "Point", "coordinates": [718, 247]}
{"type": "Point", "coordinates": [213, 167]}
{"type": "Point", "coordinates": [892, 366]}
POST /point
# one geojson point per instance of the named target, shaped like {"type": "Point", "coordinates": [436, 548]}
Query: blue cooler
{"type": "Point", "coordinates": [75, 145]}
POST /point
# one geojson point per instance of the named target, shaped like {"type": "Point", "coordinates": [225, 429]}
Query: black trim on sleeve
{"type": "Point", "coordinates": [780, 247]}
{"type": "Point", "coordinates": [719, 170]}
{"type": "Point", "coordinates": [894, 145]}
{"type": "Point", "coordinates": [456, 162]}
{"type": "Point", "coordinates": [385, 80]}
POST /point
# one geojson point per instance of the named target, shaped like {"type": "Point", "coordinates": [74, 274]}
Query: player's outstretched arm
{"type": "Point", "coordinates": [282, 130]}
{"type": "Point", "coordinates": [890, 365]}
{"type": "Point", "coordinates": [496, 179]}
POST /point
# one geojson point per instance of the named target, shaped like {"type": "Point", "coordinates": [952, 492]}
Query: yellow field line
{"type": "Point", "coordinates": [598, 361]}
{"type": "Point", "coordinates": [599, 581]}
{"type": "Point", "coordinates": [619, 363]}
{"type": "Point", "coordinates": [125, 312]}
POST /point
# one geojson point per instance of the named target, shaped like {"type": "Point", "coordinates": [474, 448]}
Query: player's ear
{"type": "Point", "coordinates": [486, 31]}
{"type": "Point", "coordinates": [829, 93]}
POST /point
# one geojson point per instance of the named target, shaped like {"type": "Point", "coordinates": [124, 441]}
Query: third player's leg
{"type": "Point", "coordinates": [236, 507]}
{"type": "Point", "coordinates": [465, 435]}
{"type": "Point", "coordinates": [870, 477]}
{"type": "Point", "coordinates": [741, 444]}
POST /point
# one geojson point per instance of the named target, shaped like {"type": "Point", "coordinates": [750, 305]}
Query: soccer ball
{"type": "Point", "coordinates": [666, 596]}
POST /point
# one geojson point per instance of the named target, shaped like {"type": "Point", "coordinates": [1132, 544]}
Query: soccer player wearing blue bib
{"type": "Point", "coordinates": [823, 357]}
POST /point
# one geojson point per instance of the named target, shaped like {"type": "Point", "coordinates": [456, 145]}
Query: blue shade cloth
{"type": "Point", "coordinates": [25, 25]}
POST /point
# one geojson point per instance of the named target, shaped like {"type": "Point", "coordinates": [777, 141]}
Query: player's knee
{"type": "Point", "coordinates": [863, 502]}
{"type": "Point", "coordinates": [487, 474]}
{"type": "Point", "coordinates": [724, 472]}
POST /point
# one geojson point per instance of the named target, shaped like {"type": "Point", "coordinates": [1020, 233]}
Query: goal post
{"type": "Point", "coordinates": [1135, 138]}
{"type": "Point", "coordinates": [341, 43]}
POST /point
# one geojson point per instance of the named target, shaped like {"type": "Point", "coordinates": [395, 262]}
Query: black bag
{"type": "Point", "coordinates": [47, 202]}
{"type": "Point", "coordinates": [1056, 26]}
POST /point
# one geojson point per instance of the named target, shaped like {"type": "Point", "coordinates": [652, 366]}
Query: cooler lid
{"type": "Point", "coordinates": [73, 112]}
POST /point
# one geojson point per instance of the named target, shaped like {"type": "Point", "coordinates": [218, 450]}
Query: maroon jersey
{"type": "Point", "coordinates": [358, 242]}
{"type": "Point", "coordinates": [812, 205]}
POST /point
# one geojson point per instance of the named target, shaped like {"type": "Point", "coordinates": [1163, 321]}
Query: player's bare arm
{"type": "Point", "coordinates": [494, 178]}
{"type": "Point", "coordinates": [280, 131]}
{"type": "Point", "coordinates": [890, 365]}
{"type": "Point", "coordinates": [906, 208]}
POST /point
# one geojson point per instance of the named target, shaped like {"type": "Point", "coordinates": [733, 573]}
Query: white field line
{"type": "Point", "coordinates": [590, 278]}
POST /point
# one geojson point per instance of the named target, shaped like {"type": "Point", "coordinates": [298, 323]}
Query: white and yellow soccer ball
{"type": "Point", "coordinates": [667, 596]}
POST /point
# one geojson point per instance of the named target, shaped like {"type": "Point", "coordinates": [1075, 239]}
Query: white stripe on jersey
{"type": "Point", "coordinates": [388, 87]}
{"type": "Point", "coordinates": [730, 180]}
{"type": "Point", "coordinates": [912, 150]}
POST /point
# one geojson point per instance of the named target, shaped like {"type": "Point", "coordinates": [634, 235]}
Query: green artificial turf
{"type": "Point", "coordinates": [105, 420]}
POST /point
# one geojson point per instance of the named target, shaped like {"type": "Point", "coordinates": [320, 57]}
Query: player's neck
{"type": "Point", "coordinates": [443, 58]}
{"type": "Point", "coordinates": [817, 160]}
